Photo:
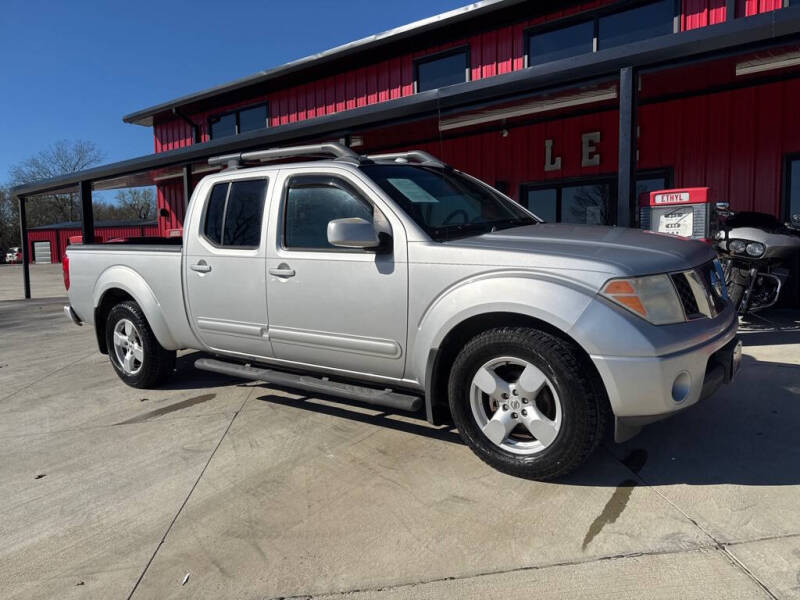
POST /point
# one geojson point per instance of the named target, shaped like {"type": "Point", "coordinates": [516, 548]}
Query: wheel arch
{"type": "Point", "coordinates": [121, 284]}
{"type": "Point", "coordinates": [441, 358]}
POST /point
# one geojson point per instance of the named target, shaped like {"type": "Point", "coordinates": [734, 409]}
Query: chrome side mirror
{"type": "Point", "coordinates": [352, 233]}
{"type": "Point", "coordinates": [795, 220]}
{"type": "Point", "coordinates": [723, 208]}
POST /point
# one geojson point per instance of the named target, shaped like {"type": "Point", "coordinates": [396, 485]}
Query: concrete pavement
{"type": "Point", "coordinates": [46, 281]}
{"type": "Point", "coordinates": [111, 492]}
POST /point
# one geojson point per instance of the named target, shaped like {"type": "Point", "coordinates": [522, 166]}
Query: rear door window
{"type": "Point", "coordinates": [234, 213]}
{"type": "Point", "coordinates": [243, 213]}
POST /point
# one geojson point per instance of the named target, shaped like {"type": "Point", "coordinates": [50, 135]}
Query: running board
{"type": "Point", "coordinates": [386, 397]}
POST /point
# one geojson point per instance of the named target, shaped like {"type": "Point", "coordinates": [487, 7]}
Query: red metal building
{"type": "Point", "coordinates": [46, 244]}
{"type": "Point", "coordinates": [572, 107]}
{"type": "Point", "coordinates": [730, 123]}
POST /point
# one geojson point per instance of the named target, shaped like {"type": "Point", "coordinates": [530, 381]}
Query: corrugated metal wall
{"type": "Point", "coordinates": [701, 13]}
{"type": "Point", "coordinates": [748, 8]}
{"type": "Point", "coordinates": [705, 140]}
{"type": "Point", "coordinates": [491, 53]}
{"type": "Point", "coordinates": [169, 198]}
{"type": "Point", "coordinates": [58, 238]}
{"type": "Point", "coordinates": [732, 141]}
{"type": "Point", "coordinates": [519, 157]}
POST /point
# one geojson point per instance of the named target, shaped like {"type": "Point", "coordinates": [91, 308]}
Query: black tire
{"type": "Point", "coordinates": [583, 406]}
{"type": "Point", "coordinates": [157, 364]}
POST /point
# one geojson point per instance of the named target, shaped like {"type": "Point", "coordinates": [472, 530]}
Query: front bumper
{"type": "Point", "coordinates": [646, 389]}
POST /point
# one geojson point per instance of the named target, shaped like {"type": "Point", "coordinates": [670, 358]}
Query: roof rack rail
{"type": "Point", "coordinates": [412, 155]}
{"type": "Point", "coordinates": [233, 161]}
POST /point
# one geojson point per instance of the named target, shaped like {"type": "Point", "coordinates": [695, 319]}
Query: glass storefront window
{"type": "Point", "coordinates": [544, 204]}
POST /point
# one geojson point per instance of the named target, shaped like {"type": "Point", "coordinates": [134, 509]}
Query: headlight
{"type": "Point", "coordinates": [653, 298]}
{"type": "Point", "coordinates": [737, 246]}
{"type": "Point", "coordinates": [755, 249]}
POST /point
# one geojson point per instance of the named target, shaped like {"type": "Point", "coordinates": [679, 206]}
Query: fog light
{"type": "Point", "coordinates": [681, 386]}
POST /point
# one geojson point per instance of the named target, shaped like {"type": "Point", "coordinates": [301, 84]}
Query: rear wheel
{"type": "Point", "coordinates": [523, 402]}
{"type": "Point", "coordinates": [137, 357]}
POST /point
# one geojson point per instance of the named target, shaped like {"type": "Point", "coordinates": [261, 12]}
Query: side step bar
{"type": "Point", "coordinates": [306, 383]}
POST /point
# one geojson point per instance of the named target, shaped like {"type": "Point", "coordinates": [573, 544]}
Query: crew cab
{"type": "Point", "coordinates": [401, 282]}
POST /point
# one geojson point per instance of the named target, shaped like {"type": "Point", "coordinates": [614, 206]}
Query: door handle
{"type": "Point", "coordinates": [201, 267]}
{"type": "Point", "coordinates": [283, 270]}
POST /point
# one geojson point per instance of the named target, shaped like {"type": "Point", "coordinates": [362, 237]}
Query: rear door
{"type": "Point", "coordinates": [224, 267]}
{"type": "Point", "coordinates": [339, 308]}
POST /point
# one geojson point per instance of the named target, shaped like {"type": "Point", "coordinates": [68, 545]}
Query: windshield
{"type": "Point", "coordinates": [445, 203]}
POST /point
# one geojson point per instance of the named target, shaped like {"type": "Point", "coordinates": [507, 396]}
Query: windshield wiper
{"type": "Point", "coordinates": [465, 229]}
{"type": "Point", "coordinates": [510, 223]}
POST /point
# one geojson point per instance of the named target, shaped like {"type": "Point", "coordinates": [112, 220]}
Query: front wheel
{"type": "Point", "coordinates": [137, 357]}
{"type": "Point", "coordinates": [524, 403]}
{"type": "Point", "coordinates": [737, 283]}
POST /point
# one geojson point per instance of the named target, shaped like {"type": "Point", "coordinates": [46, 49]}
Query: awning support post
{"type": "Point", "coordinates": [87, 214]}
{"type": "Point", "coordinates": [23, 236]}
{"type": "Point", "coordinates": [626, 182]}
{"type": "Point", "coordinates": [187, 185]}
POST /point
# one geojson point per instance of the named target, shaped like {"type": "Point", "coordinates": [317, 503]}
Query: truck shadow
{"type": "Point", "coordinates": [746, 434]}
{"type": "Point", "coordinates": [186, 377]}
{"type": "Point", "coordinates": [408, 423]}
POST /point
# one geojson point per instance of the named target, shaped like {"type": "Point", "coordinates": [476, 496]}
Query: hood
{"type": "Point", "coordinates": [615, 249]}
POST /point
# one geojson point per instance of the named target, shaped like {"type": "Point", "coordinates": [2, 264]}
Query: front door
{"type": "Point", "coordinates": [225, 266]}
{"type": "Point", "coordinates": [344, 309]}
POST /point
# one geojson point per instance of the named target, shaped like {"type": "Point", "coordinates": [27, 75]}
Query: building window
{"type": "Point", "coordinates": [223, 126]}
{"type": "Point", "coordinates": [589, 201]}
{"type": "Point", "coordinates": [792, 194]}
{"type": "Point", "coordinates": [560, 43]}
{"type": "Point", "coordinates": [314, 201]}
{"type": "Point", "coordinates": [606, 30]}
{"type": "Point", "coordinates": [238, 121]}
{"type": "Point", "coordinates": [636, 24]}
{"type": "Point", "coordinates": [234, 213]}
{"type": "Point", "coordinates": [442, 69]}
{"type": "Point", "coordinates": [585, 202]}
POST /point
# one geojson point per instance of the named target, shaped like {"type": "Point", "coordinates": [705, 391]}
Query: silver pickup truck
{"type": "Point", "coordinates": [398, 281]}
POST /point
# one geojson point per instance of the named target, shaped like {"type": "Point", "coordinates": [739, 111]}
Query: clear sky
{"type": "Point", "coordinates": [70, 69]}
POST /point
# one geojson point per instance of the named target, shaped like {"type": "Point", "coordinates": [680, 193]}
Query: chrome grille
{"type": "Point", "coordinates": [686, 296]}
{"type": "Point", "coordinates": [714, 280]}
{"type": "Point", "coordinates": [700, 293]}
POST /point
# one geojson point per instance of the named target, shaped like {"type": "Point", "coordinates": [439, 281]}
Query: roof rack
{"type": "Point", "coordinates": [412, 155]}
{"type": "Point", "coordinates": [234, 161]}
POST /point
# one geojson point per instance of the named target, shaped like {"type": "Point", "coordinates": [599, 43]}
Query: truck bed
{"type": "Point", "coordinates": [149, 272]}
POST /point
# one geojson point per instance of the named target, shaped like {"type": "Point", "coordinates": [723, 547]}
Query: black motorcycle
{"type": "Point", "coordinates": [756, 251]}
